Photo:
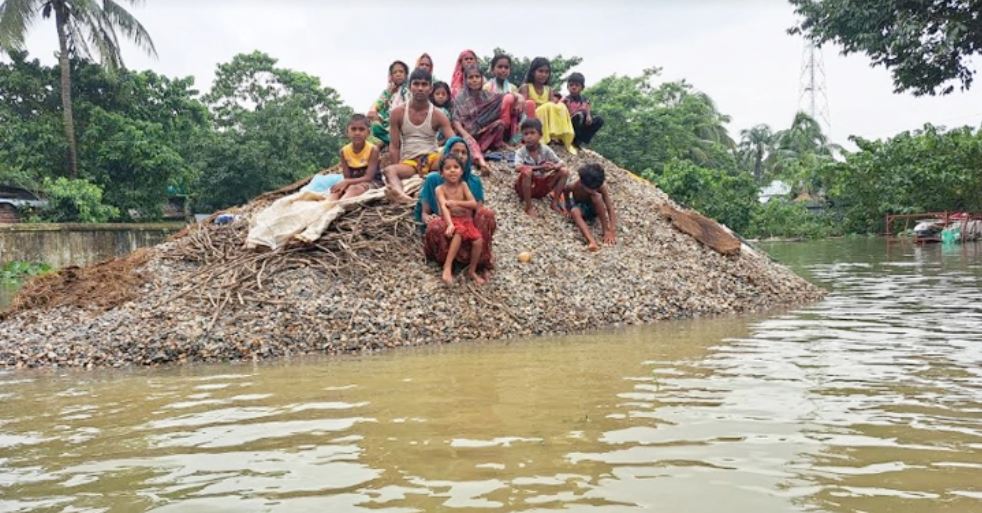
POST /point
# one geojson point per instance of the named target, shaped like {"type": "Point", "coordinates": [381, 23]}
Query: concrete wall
{"type": "Point", "coordinates": [61, 245]}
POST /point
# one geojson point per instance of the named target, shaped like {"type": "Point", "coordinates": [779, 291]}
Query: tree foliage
{"type": "Point", "coordinates": [926, 44]}
{"type": "Point", "coordinates": [926, 170]}
{"type": "Point", "coordinates": [273, 126]}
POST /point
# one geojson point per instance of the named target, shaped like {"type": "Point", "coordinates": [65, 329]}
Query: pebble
{"type": "Point", "coordinates": [654, 272]}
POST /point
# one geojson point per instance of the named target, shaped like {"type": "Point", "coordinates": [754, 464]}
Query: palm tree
{"type": "Point", "coordinates": [755, 144]}
{"type": "Point", "coordinates": [802, 139]}
{"type": "Point", "coordinates": [86, 28]}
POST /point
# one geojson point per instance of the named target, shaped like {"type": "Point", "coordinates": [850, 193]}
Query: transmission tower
{"type": "Point", "coordinates": [813, 97]}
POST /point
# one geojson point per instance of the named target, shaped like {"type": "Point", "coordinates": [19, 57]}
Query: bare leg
{"type": "Point", "coordinates": [559, 183]}
{"type": "Point", "coordinates": [584, 229]}
{"type": "Point", "coordinates": [354, 191]}
{"type": "Point", "coordinates": [477, 247]}
{"type": "Point", "coordinates": [526, 177]}
{"type": "Point", "coordinates": [393, 178]}
{"type": "Point", "coordinates": [451, 255]}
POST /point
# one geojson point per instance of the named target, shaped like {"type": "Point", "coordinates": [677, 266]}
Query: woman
{"type": "Point", "coordinates": [557, 126]}
{"type": "Point", "coordinates": [466, 58]}
{"type": "Point", "coordinates": [426, 62]}
{"type": "Point", "coordinates": [477, 116]}
{"type": "Point", "coordinates": [435, 242]}
{"type": "Point", "coordinates": [394, 95]}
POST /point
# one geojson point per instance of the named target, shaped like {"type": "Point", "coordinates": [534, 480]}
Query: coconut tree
{"type": "Point", "coordinates": [755, 144]}
{"type": "Point", "coordinates": [86, 29]}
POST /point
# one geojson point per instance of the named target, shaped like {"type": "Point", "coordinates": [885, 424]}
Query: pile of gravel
{"type": "Point", "coordinates": [654, 272]}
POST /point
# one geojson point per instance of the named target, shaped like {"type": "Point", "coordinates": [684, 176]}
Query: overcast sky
{"type": "Point", "coordinates": [737, 51]}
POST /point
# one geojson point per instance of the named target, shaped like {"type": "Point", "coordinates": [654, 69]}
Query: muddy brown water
{"type": "Point", "coordinates": [870, 400]}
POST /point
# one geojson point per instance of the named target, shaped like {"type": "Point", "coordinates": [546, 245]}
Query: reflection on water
{"type": "Point", "coordinates": [868, 401]}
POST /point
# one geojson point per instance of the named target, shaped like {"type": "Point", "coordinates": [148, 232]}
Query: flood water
{"type": "Point", "coordinates": [870, 400]}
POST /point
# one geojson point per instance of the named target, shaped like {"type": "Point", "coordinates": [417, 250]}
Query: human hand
{"type": "Point", "coordinates": [589, 119]}
{"type": "Point", "coordinates": [429, 217]}
{"type": "Point", "coordinates": [449, 231]}
{"type": "Point", "coordinates": [373, 116]}
{"type": "Point", "coordinates": [341, 186]}
{"type": "Point", "coordinates": [392, 87]}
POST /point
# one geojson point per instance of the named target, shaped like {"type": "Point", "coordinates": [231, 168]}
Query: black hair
{"type": "Point", "coordinates": [531, 123]}
{"type": "Point", "coordinates": [498, 57]}
{"type": "Point", "coordinates": [398, 63]}
{"type": "Point", "coordinates": [420, 74]}
{"type": "Point", "coordinates": [537, 63]}
{"type": "Point", "coordinates": [576, 78]}
{"type": "Point", "coordinates": [592, 176]}
{"type": "Point", "coordinates": [440, 85]}
{"type": "Point", "coordinates": [359, 118]}
{"type": "Point", "coordinates": [450, 156]}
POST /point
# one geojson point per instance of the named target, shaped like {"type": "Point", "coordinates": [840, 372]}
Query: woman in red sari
{"type": "Point", "coordinates": [477, 116]}
{"type": "Point", "coordinates": [466, 58]}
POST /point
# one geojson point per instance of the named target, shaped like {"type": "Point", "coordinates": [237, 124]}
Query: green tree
{"type": "Point", "coordinates": [274, 125]}
{"type": "Point", "coordinates": [727, 197]}
{"type": "Point", "coordinates": [755, 145]}
{"type": "Point", "coordinates": [926, 170]}
{"type": "Point", "coordinates": [646, 126]}
{"type": "Point", "coordinates": [85, 28]}
{"type": "Point", "coordinates": [520, 65]}
{"type": "Point", "coordinates": [138, 130]}
{"type": "Point", "coordinates": [926, 44]}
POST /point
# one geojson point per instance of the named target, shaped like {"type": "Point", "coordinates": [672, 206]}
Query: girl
{"type": "Point", "coordinates": [359, 162]}
{"type": "Point", "coordinates": [457, 206]}
{"type": "Point", "coordinates": [466, 58]}
{"type": "Point", "coordinates": [396, 94]}
{"type": "Point", "coordinates": [477, 117]}
{"type": "Point", "coordinates": [514, 106]}
{"type": "Point", "coordinates": [435, 243]}
{"type": "Point", "coordinates": [556, 123]}
{"type": "Point", "coordinates": [440, 98]}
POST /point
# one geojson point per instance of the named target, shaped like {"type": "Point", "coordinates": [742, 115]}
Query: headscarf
{"type": "Point", "coordinates": [427, 56]}
{"type": "Point", "coordinates": [433, 180]}
{"type": "Point", "coordinates": [457, 81]}
{"type": "Point", "coordinates": [476, 109]}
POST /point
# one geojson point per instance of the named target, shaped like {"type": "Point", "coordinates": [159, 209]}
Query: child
{"type": "Point", "coordinates": [540, 171]}
{"type": "Point", "coordinates": [556, 123]}
{"type": "Point", "coordinates": [457, 206]}
{"type": "Point", "coordinates": [440, 98]}
{"type": "Point", "coordinates": [588, 199]}
{"type": "Point", "coordinates": [394, 95]}
{"type": "Point", "coordinates": [585, 124]}
{"type": "Point", "coordinates": [514, 106]}
{"type": "Point", "coordinates": [359, 162]}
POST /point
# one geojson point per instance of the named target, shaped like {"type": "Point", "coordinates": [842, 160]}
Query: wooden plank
{"type": "Point", "coordinates": [703, 229]}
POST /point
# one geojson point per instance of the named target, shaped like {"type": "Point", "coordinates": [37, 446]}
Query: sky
{"type": "Point", "coordinates": [737, 51]}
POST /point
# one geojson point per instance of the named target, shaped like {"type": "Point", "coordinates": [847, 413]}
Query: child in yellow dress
{"type": "Point", "coordinates": [557, 126]}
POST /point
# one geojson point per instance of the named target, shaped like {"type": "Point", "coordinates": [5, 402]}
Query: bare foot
{"type": "Point", "coordinates": [592, 246]}
{"type": "Point", "coordinates": [448, 276]}
{"type": "Point", "coordinates": [486, 274]}
{"type": "Point", "coordinates": [531, 211]}
{"type": "Point", "coordinates": [397, 197]}
{"type": "Point", "coordinates": [476, 277]}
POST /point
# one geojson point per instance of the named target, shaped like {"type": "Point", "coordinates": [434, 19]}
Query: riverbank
{"type": "Point", "coordinates": [365, 286]}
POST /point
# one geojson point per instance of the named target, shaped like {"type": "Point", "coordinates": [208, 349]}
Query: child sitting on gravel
{"type": "Point", "coordinates": [457, 206]}
{"type": "Point", "coordinates": [359, 162]}
{"type": "Point", "coordinates": [540, 170]}
{"type": "Point", "coordinates": [587, 199]}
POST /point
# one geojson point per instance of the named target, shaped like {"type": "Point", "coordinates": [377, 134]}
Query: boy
{"type": "Point", "coordinates": [540, 171]}
{"type": "Point", "coordinates": [585, 124]}
{"type": "Point", "coordinates": [588, 199]}
{"type": "Point", "coordinates": [359, 162]}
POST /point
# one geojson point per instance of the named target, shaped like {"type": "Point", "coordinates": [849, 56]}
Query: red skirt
{"type": "Point", "coordinates": [436, 245]}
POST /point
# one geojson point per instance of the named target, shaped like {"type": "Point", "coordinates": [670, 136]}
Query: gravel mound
{"type": "Point", "coordinates": [366, 286]}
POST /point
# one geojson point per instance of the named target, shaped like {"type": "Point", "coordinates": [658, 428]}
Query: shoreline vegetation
{"type": "Point", "coordinates": [364, 286]}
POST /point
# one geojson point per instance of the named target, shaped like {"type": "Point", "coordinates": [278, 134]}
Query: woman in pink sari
{"type": "Point", "coordinates": [466, 58]}
{"type": "Point", "coordinates": [477, 116]}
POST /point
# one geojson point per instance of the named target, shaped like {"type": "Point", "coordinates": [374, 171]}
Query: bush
{"type": "Point", "coordinates": [782, 218]}
{"type": "Point", "coordinates": [75, 201]}
{"type": "Point", "coordinates": [15, 272]}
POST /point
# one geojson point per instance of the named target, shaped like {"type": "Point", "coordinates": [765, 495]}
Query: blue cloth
{"type": "Point", "coordinates": [321, 183]}
{"type": "Point", "coordinates": [433, 180]}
